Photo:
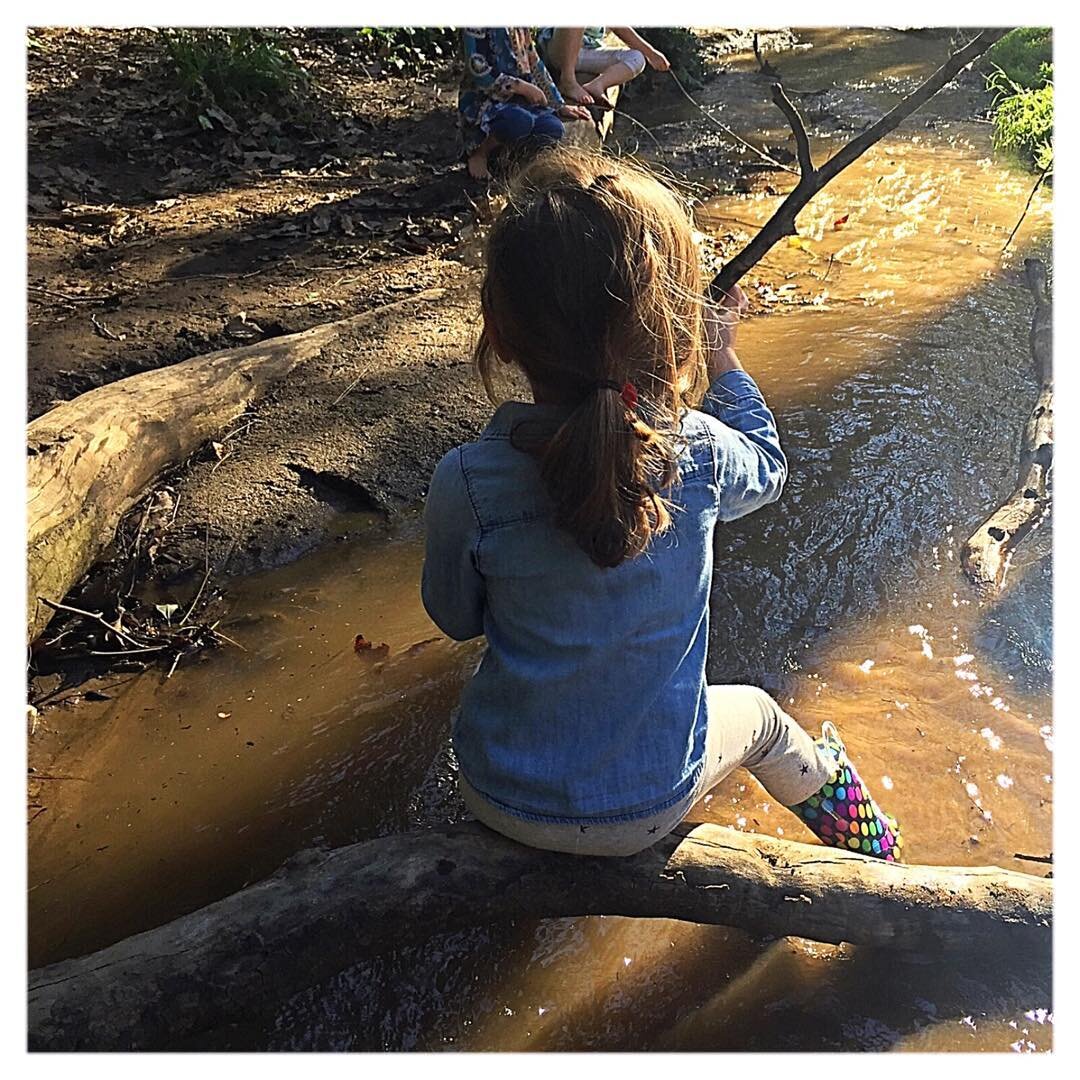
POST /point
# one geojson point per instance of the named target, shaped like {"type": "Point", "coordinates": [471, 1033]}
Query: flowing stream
{"type": "Point", "coordinates": [894, 352]}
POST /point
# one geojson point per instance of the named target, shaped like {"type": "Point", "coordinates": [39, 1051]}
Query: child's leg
{"type": "Point", "coordinates": [814, 779]}
{"type": "Point", "coordinates": [612, 67]}
{"type": "Point", "coordinates": [547, 128]}
{"type": "Point", "coordinates": [477, 161]}
{"type": "Point", "coordinates": [513, 124]}
{"type": "Point", "coordinates": [563, 52]}
{"type": "Point", "coordinates": [748, 729]}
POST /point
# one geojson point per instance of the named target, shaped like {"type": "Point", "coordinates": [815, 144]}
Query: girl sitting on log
{"type": "Point", "coordinates": [576, 533]}
{"type": "Point", "coordinates": [507, 97]}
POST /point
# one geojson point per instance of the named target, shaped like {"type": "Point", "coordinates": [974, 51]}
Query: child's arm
{"type": "Point", "coordinates": [750, 466]}
{"type": "Point", "coordinates": [633, 40]}
{"type": "Point", "coordinates": [452, 588]}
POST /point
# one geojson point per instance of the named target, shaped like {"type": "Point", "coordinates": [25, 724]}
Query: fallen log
{"type": "Point", "coordinates": [987, 553]}
{"type": "Point", "coordinates": [326, 910]}
{"type": "Point", "coordinates": [92, 458]}
{"type": "Point", "coordinates": [812, 179]}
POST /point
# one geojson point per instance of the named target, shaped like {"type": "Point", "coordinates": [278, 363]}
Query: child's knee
{"type": "Point", "coordinates": [634, 59]}
{"type": "Point", "coordinates": [548, 128]}
{"type": "Point", "coordinates": [512, 124]}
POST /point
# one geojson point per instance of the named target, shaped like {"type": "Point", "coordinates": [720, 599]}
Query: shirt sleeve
{"type": "Point", "coordinates": [452, 588]}
{"type": "Point", "coordinates": [750, 466]}
{"type": "Point", "coordinates": [481, 70]}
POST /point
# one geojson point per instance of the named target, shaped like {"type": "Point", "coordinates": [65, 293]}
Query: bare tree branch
{"type": "Point", "coordinates": [812, 180]}
{"type": "Point", "coordinates": [802, 142]}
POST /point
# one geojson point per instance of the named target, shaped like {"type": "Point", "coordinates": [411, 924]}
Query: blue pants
{"type": "Point", "coordinates": [513, 123]}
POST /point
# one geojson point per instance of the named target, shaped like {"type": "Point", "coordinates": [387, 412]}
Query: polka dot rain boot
{"type": "Point", "coordinates": [843, 813]}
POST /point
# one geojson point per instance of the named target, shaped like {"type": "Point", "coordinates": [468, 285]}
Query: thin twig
{"type": "Point", "coordinates": [637, 123]}
{"type": "Point", "coordinates": [206, 578]}
{"type": "Point", "coordinates": [1027, 206]}
{"type": "Point", "coordinates": [763, 65]}
{"type": "Point", "coordinates": [727, 131]}
{"type": "Point", "coordinates": [104, 331]}
{"type": "Point", "coordinates": [68, 298]}
{"type": "Point", "coordinates": [225, 637]}
{"type": "Point", "coordinates": [127, 652]}
{"type": "Point", "coordinates": [98, 617]}
{"type": "Point", "coordinates": [798, 129]}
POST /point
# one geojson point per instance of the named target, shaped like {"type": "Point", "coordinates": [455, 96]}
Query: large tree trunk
{"type": "Point", "coordinates": [326, 910]}
{"type": "Point", "coordinates": [92, 458]}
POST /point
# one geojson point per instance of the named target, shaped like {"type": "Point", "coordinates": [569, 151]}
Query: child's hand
{"type": "Point", "coordinates": [657, 60]}
{"type": "Point", "coordinates": [530, 92]}
{"type": "Point", "coordinates": [721, 326]}
{"type": "Point", "coordinates": [573, 112]}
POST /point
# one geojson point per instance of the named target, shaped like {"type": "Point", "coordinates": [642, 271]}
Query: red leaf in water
{"type": "Point", "coordinates": [840, 222]}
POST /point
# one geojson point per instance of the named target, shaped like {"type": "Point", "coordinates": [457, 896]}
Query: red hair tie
{"type": "Point", "coordinates": [628, 391]}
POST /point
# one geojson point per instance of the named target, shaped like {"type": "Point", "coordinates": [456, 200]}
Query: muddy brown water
{"type": "Point", "coordinates": [899, 371]}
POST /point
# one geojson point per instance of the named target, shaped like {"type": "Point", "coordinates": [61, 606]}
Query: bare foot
{"type": "Point", "coordinates": [598, 94]}
{"type": "Point", "coordinates": [477, 164]}
{"type": "Point", "coordinates": [575, 93]}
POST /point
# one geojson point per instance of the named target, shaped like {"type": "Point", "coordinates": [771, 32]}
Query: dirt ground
{"type": "Point", "coordinates": [151, 241]}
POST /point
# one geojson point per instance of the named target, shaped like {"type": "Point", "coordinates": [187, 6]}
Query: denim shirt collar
{"type": "Point", "coordinates": [510, 413]}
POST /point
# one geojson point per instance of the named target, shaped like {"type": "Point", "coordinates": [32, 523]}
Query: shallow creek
{"type": "Point", "coordinates": [900, 376]}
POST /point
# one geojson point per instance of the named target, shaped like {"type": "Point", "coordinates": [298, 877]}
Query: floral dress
{"type": "Point", "coordinates": [493, 57]}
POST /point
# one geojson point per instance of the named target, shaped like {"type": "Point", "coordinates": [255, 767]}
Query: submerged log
{"type": "Point", "coordinates": [326, 910]}
{"type": "Point", "coordinates": [92, 458]}
{"type": "Point", "coordinates": [988, 551]}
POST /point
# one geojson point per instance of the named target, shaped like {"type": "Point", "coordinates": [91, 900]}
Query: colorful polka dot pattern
{"type": "Point", "coordinates": [844, 814]}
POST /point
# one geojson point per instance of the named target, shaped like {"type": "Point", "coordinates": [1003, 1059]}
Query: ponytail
{"type": "Point", "coordinates": [593, 287]}
{"type": "Point", "coordinates": [603, 469]}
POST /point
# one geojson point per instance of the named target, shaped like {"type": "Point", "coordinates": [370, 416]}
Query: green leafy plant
{"type": "Point", "coordinates": [1023, 55]}
{"type": "Point", "coordinates": [225, 73]}
{"type": "Point", "coordinates": [407, 50]}
{"type": "Point", "coordinates": [1024, 118]}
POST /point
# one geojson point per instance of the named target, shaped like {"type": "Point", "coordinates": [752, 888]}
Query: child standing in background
{"type": "Point", "coordinates": [507, 97]}
{"type": "Point", "coordinates": [569, 49]}
{"type": "Point", "coordinates": [577, 534]}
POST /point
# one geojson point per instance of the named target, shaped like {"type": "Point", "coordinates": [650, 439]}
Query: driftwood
{"type": "Point", "coordinates": [812, 179]}
{"type": "Point", "coordinates": [988, 551]}
{"type": "Point", "coordinates": [326, 910]}
{"type": "Point", "coordinates": [91, 458]}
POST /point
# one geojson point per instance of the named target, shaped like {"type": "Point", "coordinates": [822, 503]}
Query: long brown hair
{"type": "Point", "coordinates": [593, 281]}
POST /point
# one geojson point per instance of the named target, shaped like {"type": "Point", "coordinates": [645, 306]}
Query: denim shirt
{"type": "Point", "coordinates": [589, 704]}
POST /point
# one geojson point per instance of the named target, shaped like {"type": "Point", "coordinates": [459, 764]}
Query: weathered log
{"type": "Point", "coordinates": [326, 910]}
{"type": "Point", "coordinates": [91, 458]}
{"type": "Point", "coordinates": [591, 134]}
{"type": "Point", "coordinates": [812, 180]}
{"type": "Point", "coordinates": [988, 551]}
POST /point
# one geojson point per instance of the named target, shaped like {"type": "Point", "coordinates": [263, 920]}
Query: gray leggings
{"type": "Point", "coordinates": [745, 728]}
